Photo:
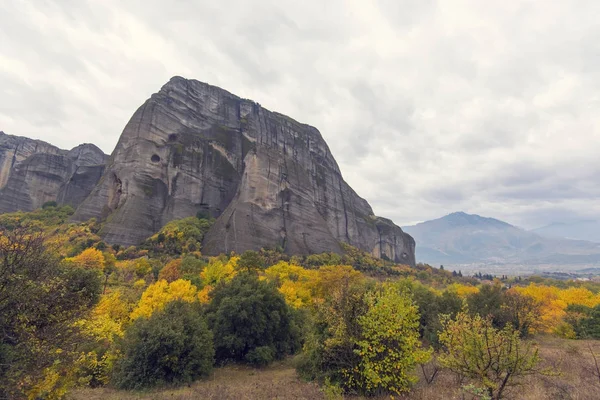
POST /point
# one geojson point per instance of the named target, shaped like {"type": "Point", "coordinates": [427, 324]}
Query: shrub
{"type": "Point", "coordinates": [389, 346]}
{"type": "Point", "coordinates": [172, 346]}
{"type": "Point", "coordinates": [366, 341]}
{"type": "Point", "coordinates": [249, 316]}
{"type": "Point", "coordinates": [495, 358]}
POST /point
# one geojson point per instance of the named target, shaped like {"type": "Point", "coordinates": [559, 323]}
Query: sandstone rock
{"type": "Point", "coordinates": [33, 172]}
{"type": "Point", "coordinates": [269, 180]}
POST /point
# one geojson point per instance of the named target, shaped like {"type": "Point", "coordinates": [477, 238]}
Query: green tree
{"type": "Point", "coordinates": [487, 302]}
{"type": "Point", "coordinates": [251, 261]}
{"type": "Point", "coordinates": [172, 346]}
{"type": "Point", "coordinates": [389, 346]}
{"type": "Point", "coordinates": [39, 302]}
{"type": "Point", "coordinates": [584, 320]}
{"type": "Point", "coordinates": [251, 321]}
{"type": "Point", "coordinates": [495, 358]}
{"type": "Point", "coordinates": [521, 311]}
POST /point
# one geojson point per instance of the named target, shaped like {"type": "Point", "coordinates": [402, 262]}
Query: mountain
{"type": "Point", "coordinates": [581, 230]}
{"type": "Point", "coordinates": [269, 180]}
{"type": "Point", "coordinates": [461, 238]}
{"type": "Point", "coordinates": [33, 172]}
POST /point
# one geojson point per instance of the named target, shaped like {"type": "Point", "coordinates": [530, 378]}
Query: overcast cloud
{"type": "Point", "coordinates": [489, 107]}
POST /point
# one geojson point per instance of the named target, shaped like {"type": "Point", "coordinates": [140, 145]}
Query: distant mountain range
{"type": "Point", "coordinates": [581, 230]}
{"type": "Point", "coordinates": [461, 238]}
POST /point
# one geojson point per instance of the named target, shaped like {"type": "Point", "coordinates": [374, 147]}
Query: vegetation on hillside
{"type": "Point", "coordinates": [77, 312]}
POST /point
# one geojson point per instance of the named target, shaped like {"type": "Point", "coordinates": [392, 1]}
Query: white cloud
{"type": "Point", "coordinates": [429, 107]}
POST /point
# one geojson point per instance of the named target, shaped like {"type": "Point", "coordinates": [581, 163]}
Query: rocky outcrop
{"type": "Point", "coordinates": [33, 172]}
{"type": "Point", "coordinates": [268, 180]}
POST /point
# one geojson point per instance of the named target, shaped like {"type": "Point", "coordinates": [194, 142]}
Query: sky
{"type": "Point", "coordinates": [430, 107]}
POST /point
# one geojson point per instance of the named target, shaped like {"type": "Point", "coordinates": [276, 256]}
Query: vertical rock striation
{"type": "Point", "coordinates": [268, 180]}
{"type": "Point", "coordinates": [33, 172]}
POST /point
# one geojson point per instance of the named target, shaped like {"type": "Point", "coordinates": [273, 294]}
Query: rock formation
{"type": "Point", "coordinates": [33, 172]}
{"type": "Point", "coordinates": [268, 180]}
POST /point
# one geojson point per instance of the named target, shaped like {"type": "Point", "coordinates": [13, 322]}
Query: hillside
{"type": "Point", "coordinates": [462, 238]}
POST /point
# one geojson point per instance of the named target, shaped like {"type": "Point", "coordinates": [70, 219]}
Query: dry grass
{"type": "Point", "coordinates": [569, 361]}
{"type": "Point", "coordinates": [278, 381]}
{"type": "Point", "coordinates": [568, 374]}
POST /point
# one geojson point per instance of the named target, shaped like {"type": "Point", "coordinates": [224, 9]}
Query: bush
{"type": "Point", "coordinates": [495, 358]}
{"type": "Point", "coordinates": [261, 356]}
{"type": "Point", "coordinates": [366, 341]}
{"type": "Point", "coordinates": [172, 346]}
{"type": "Point", "coordinates": [251, 321]}
{"type": "Point", "coordinates": [389, 346]}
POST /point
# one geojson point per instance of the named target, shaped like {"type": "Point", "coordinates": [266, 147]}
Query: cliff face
{"type": "Point", "coordinates": [33, 172]}
{"type": "Point", "coordinates": [269, 180]}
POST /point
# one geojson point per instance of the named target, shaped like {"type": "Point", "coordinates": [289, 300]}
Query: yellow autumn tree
{"type": "Point", "coordinates": [580, 296]}
{"type": "Point", "coordinates": [89, 259]}
{"type": "Point", "coordinates": [463, 291]}
{"type": "Point", "coordinates": [294, 282]}
{"type": "Point", "coordinates": [552, 307]}
{"type": "Point", "coordinates": [106, 319]}
{"type": "Point", "coordinates": [218, 270]}
{"type": "Point", "coordinates": [157, 295]}
{"type": "Point", "coordinates": [333, 276]}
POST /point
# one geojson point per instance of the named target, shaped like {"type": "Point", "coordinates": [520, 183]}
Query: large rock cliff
{"type": "Point", "coordinates": [33, 172]}
{"type": "Point", "coordinates": [269, 180]}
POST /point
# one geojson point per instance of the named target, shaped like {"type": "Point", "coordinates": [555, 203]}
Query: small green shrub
{"type": "Point", "coordinates": [172, 346]}
{"type": "Point", "coordinates": [261, 356]}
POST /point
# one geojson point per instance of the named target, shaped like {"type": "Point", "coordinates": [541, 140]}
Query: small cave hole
{"type": "Point", "coordinates": [172, 137]}
{"type": "Point", "coordinates": [155, 158]}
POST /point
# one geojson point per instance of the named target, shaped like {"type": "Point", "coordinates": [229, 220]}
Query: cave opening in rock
{"type": "Point", "coordinates": [172, 137]}
{"type": "Point", "coordinates": [155, 158]}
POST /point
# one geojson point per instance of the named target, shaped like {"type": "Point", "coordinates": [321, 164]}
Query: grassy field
{"type": "Point", "coordinates": [569, 365]}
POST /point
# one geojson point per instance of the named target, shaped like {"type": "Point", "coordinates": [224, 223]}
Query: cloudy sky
{"type": "Point", "coordinates": [489, 107]}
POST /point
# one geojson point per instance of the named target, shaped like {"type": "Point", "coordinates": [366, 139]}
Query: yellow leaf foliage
{"type": "Point", "coordinates": [218, 270]}
{"type": "Point", "coordinates": [294, 282]}
{"type": "Point", "coordinates": [89, 259]}
{"type": "Point", "coordinates": [204, 294]}
{"type": "Point", "coordinates": [107, 318]}
{"type": "Point", "coordinates": [463, 291]}
{"type": "Point", "coordinates": [582, 296]}
{"type": "Point", "coordinates": [157, 295]}
{"type": "Point", "coordinates": [333, 276]}
{"type": "Point", "coordinates": [552, 307]}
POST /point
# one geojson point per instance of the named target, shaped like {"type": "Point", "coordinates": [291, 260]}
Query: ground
{"type": "Point", "coordinates": [568, 373]}
{"type": "Point", "coordinates": [279, 381]}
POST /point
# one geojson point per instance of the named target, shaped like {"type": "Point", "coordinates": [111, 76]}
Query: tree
{"type": "Point", "coordinates": [174, 345]}
{"type": "Point", "coordinates": [389, 346]}
{"type": "Point", "coordinates": [39, 302]}
{"type": "Point", "coordinates": [294, 282]}
{"type": "Point", "coordinates": [521, 311]}
{"type": "Point", "coordinates": [585, 321]}
{"type": "Point", "coordinates": [551, 306]}
{"type": "Point", "coordinates": [329, 350]}
{"type": "Point", "coordinates": [250, 261]}
{"type": "Point", "coordinates": [89, 258]}
{"type": "Point", "coordinates": [487, 302]}
{"type": "Point", "coordinates": [332, 276]}
{"type": "Point", "coordinates": [251, 321]}
{"type": "Point", "coordinates": [171, 272]}
{"type": "Point", "coordinates": [219, 270]}
{"type": "Point", "coordinates": [159, 294]}
{"type": "Point", "coordinates": [495, 358]}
